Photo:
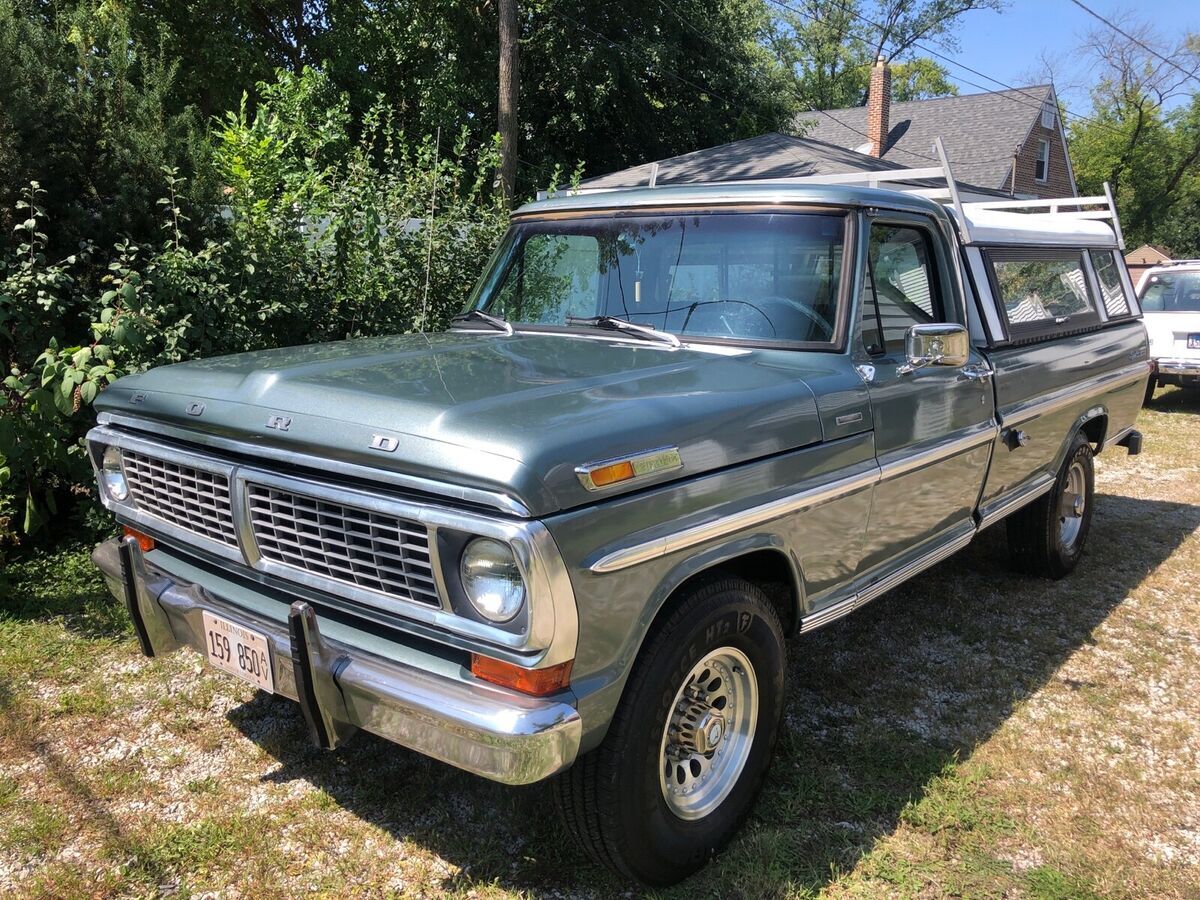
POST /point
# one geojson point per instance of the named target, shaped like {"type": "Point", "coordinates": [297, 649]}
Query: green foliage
{"type": "Point", "coordinates": [85, 108]}
{"type": "Point", "coordinates": [322, 236]}
{"type": "Point", "coordinates": [829, 46]}
{"type": "Point", "coordinates": [1143, 138]}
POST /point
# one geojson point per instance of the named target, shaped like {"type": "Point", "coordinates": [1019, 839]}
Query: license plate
{"type": "Point", "coordinates": [1194, 341]}
{"type": "Point", "coordinates": [238, 651]}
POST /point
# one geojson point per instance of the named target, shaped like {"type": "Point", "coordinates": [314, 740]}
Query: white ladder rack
{"type": "Point", "coordinates": [1099, 207]}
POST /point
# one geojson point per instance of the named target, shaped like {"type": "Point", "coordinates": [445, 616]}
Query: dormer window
{"type": "Point", "coordinates": [1041, 165]}
{"type": "Point", "coordinates": [1049, 111]}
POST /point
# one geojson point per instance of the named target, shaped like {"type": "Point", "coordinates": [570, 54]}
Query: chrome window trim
{"type": "Point", "coordinates": [551, 631]}
{"type": "Point", "coordinates": [494, 499]}
{"type": "Point", "coordinates": [623, 558]}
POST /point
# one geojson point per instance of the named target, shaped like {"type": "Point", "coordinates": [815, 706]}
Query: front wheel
{"type": "Point", "coordinates": [1047, 536]}
{"type": "Point", "coordinates": [690, 742]}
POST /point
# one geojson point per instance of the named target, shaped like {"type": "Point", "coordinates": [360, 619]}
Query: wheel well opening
{"type": "Point", "coordinates": [770, 571]}
{"type": "Point", "coordinates": [1094, 430]}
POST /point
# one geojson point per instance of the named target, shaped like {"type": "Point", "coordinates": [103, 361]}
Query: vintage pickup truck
{"type": "Point", "coordinates": [674, 426]}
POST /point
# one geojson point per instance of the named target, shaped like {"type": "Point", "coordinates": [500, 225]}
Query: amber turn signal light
{"type": "Point", "coordinates": [612, 474]}
{"type": "Point", "coordinates": [537, 682]}
{"type": "Point", "coordinates": [144, 540]}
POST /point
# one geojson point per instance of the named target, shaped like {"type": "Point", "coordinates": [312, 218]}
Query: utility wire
{"type": "Point", "coordinates": [1035, 101]}
{"type": "Point", "coordinates": [1095, 15]}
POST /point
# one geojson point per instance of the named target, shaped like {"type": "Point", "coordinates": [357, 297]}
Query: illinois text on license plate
{"type": "Point", "coordinates": [238, 650]}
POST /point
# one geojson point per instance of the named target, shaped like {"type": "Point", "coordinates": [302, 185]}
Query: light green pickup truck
{"type": "Point", "coordinates": [674, 426]}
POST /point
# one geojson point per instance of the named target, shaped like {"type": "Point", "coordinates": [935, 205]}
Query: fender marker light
{"type": "Point", "coordinates": [538, 682]}
{"type": "Point", "coordinates": [597, 475]}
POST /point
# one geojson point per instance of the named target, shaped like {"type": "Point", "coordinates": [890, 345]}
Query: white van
{"type": "Point", "coordinates": [1170, 296]}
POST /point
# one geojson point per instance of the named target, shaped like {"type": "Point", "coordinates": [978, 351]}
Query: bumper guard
{"type": "Point", "coordinates": [491, 731]}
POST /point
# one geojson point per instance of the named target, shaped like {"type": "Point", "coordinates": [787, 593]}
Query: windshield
{"type": "Point", "coordinates": [1174, 292]}
{"type": "Point", "coordinates": [738, 276]}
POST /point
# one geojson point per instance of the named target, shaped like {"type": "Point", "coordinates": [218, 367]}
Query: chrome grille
{"type": "Point", "coordinates": [184, 496]}
{"type": "Point", "coordinates": [367, 549]}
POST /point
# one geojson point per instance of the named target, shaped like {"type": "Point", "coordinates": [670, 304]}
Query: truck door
{"type": "Point", "coordinates": [934, 426]}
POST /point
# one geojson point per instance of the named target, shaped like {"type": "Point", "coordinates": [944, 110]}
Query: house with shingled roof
{"type": "Point", "coordinates": [999, 144]}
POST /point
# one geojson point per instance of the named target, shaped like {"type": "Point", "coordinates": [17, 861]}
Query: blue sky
{"type": "Point", "coordinates": [1008, 45]}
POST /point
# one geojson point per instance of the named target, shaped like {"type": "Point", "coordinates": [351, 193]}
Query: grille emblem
{"type": "Point", "coordinates": [195, 409]}
{"type": "Point", "coordinates": [279, 423]}
{"type": "Point", "coordinates": [384, 443]}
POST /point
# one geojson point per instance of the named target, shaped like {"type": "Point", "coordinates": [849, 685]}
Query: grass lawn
{"type": "Point", "coordinates": [975, 734]}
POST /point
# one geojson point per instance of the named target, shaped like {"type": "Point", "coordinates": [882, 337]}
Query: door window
{"type": "Point", "coordinates": [900, 288]}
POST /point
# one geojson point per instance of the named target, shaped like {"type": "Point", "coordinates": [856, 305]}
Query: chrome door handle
{"type": "Point", "coordinates": [977, 372]}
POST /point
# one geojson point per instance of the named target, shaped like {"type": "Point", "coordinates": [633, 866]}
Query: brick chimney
{"type": "Point", "coordinates": [879, 106]}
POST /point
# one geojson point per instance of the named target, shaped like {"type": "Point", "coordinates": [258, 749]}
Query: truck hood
{"type": "Point", "coordinates": [514, 414]}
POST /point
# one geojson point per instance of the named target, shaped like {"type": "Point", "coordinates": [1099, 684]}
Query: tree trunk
{"type": "Point", "coordinates": [509, 87]}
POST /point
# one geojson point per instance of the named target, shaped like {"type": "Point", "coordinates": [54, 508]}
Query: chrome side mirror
{"type": "Point", "coordinates": [935, 344]}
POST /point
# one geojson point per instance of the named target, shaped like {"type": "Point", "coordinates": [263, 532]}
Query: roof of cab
{"type": "Point", "coordinates": [700, 195]}
{"type": "Point", "coordinates": [986, 226]}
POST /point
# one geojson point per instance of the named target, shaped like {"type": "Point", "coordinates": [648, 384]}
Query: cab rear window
{"type": "Point", "coordinates": [1042, 292]}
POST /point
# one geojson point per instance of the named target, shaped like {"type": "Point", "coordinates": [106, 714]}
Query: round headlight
{"type": "Point", "coordinates": [113, 475]}
{"type": "Point", "coordinates": [492, 579]}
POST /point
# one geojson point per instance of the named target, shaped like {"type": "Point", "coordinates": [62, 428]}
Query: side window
{"type": "Point", "coordinates": [900, 287]}
{"type": "Point", "coordinates": [1112, 292]}
{"type": "Point", "coordinates": [1042, 292]}
{"type": "Point", "coordinates": [1041, 166]}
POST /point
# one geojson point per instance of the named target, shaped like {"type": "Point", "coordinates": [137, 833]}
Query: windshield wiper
{"type": "Point", "coordinates": [478, 315]}
{"type": "Point", "coordinates": [612, 323]}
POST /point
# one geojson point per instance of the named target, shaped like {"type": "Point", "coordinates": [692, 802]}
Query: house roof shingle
{"type": "Point", "coordinates": [982, 132]}
{"type": "Point", "coordinates": [771, 155]}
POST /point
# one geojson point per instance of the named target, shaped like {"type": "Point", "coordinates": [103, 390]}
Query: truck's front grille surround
{"type": "Point", "coordinates": [187, 497]}
{"type": "Point", "coordinates": [375, 551]}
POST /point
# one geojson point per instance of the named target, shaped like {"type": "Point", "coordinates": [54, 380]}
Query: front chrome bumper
{"type": "Point", "coordinates": [491, 731]}
{"type": "Point", "coordinates": [1178, 367]}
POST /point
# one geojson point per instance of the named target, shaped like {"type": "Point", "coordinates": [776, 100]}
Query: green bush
{"type": "Point", "coordinates": [315, 235]}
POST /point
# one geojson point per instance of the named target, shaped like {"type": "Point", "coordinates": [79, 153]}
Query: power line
{"type": "Point", "coordinates": [1095, 15]}
{"type": "Point", "coordinates": [1037, 103]}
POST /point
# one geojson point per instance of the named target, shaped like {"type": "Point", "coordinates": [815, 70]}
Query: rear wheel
{"type": "Point", "coordinates": [690, 742]}
{"type": "Point", "coordinates": [1047, 536]}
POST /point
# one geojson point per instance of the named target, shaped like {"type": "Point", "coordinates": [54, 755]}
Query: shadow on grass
{"type": "Point", "coordinates": [1175, 400]}
{"type": "Point", "coordinates": [64, 586]}
{"type": "Point", "coordinates": [879, 704]}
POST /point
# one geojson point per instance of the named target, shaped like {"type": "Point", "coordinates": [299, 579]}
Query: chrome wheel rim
{"type": "Point", "coordinates": [1071, 505]}
{"type": "Point", "coordinates": [708, 733]}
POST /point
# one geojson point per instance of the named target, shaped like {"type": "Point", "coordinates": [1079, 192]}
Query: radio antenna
{"type": "Point", "coordinates": [437, 146]}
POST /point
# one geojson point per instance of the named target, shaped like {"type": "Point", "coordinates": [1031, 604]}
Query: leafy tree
{"type": "Point", "coordinates": [1143, 135]}
{"type": "Point", "coordinates": [829, 46]}
{"type": "Point", "coordinates": [83, 101]}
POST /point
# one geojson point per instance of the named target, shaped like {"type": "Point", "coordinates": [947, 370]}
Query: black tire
{"type": "Point", "coordinates": [1151, 385]}
{"type": "Point", "coordinates": [612, 799]}
{"type": "Point", "coordinates": [1039, 540]}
